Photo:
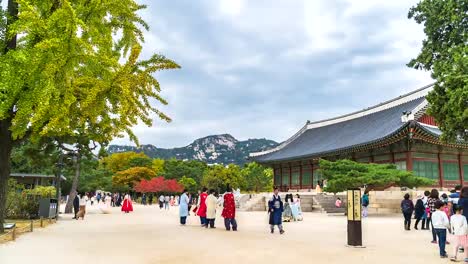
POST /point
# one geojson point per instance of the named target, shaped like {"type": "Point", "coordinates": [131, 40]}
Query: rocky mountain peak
{"type": "Point", "coordinates": [215, 149]}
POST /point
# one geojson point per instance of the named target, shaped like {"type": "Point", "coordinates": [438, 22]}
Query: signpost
{"type": "Point", "coordinates": [354, 218]}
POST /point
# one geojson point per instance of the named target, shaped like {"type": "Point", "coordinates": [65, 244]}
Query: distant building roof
{"type": "Point", "coordinates": [361, 128]}
{"type": "Point", "coordinates": [34, 175]}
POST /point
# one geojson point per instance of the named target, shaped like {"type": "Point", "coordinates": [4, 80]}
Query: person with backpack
{"type": "Point", "coordinates": [407, 208]}
{"type": "Point", "coordinates": [365, 203]}
{"type": "Point", "coordinates": [419, 211]}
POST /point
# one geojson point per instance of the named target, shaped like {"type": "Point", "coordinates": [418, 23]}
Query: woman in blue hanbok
{"type": "Point", "coordinates": [287, 212]}
{"type": "Point", "coordinates": [296, 209]}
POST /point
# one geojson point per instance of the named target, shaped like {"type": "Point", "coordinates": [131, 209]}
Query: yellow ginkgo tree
{"type": "Point", "coordinates": [71, 69]}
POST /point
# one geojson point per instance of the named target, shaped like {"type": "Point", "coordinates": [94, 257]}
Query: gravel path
{"type": "Point", "coordinates": [150, 235]}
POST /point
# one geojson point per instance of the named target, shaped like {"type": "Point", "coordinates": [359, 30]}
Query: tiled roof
{"type": "Point", "coordinates": [34, 175]}
{"type": "Point", "coordinates": [353, 130]}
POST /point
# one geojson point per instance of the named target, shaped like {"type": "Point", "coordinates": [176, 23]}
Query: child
{"type": "Point", "coordinates": [419, 211]}
{"type": "Point", "coordinates": [338, 202]}
{"type": "Point", "coordinates": [459, 229]}
{"type": "Point", "coordinates": [407, 208]}
{"type": "Point", "coordinates": [440, 223]}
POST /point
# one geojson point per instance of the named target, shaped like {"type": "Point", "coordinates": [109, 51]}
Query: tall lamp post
{"type": "Point", "coordinates": [58, 179]}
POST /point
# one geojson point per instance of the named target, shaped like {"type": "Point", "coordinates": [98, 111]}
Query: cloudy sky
{"type": "Point", "coordinates": [261, 69]}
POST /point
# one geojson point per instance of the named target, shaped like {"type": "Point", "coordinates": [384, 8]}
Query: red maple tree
{"type": "Point", "coordinates": [158, 184]}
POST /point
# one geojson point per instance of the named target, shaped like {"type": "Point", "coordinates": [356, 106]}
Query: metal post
{"type": "Point", "coordinates": [32, 225]}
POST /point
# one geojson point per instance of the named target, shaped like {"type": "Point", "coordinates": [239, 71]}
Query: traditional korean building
{"type": "Point", "coordinates": [398, 131]}
{"type": "Point", "coordinates": [31, 180]}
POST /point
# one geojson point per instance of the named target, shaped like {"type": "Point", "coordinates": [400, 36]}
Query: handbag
{"type": "Point", "coordinates": [195, 209]}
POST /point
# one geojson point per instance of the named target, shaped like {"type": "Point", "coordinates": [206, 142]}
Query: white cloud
{"type": "Point", "coordinates": [262, 68]}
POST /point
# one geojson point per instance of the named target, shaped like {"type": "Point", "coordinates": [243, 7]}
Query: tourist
{"type": "Point", "coordinates": [98, 197]}
{"type": "Point", "coordinates": [184, 207]}
{"type": "Point", "coordinates": [201, 212]}
{"type": "Point", "coordinates": [463, 201]}
{"type": "Point", "coordinates": [127, 205]}
{"type": "Point", "coordinates": [82, 211]}
{"type": "Point", "coordinates": [297, 202]}
{"type": "Point", "coordinates": [407, 208]}
{"type": "Point", "coordinates": [431, 202]}
{"type": "Point", "coordinates": [76, 204]}
{"type": "Point", "coordinates": [113, 199]}
{"type": "Point", "coordinates": [296, 208]}
{"type": "Point", "coordinates": [176, 200]}
{"type": "Point", "coordinates": [171, 202]}
{"type": "Point", "coordinates": [318, 189]}
{"type": "Point", "coordinates": [166, 202]}
{"type": "Point", "coordinates": [338, 202]}
{"type": "Point", "coordinates": [150, 199]}
{"type": "Point", "coordinates": [455, 196]}
{"type": "Point", "coordinates": [444, 198]}
{"type": "Point", "coordinates": [229, 210]}
{"type": "Point", "coordinates": [143, 199]}
{"type": "Point", "coordinates": [161, 202]}
{"type": "Point", "coordinates": [275, 209]}
{"type": "Point", "coordinates": [427, 212]}
{"type": "Point", "coordinates": [93, 199]}
{"type": "Point", "coordinates": [211, 202]}
{"type": "Point", "coordinates": [119, 199]}
{"type": "Point", "coordinates": [459, 228]}
{"type": "Point", "coordinates": [365, 203]}
{"type": "Point", "coordinates": [440, 224]}
{"type": "Point", "coordinates": [419, 211]}
{"type": "Point", "coordinates": [106, 204]}
{"type": "Point", "coordinates": [287, 212]}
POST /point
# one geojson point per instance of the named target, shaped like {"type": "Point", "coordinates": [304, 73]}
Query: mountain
{"type": "Point", "coordinates": [217, 149]}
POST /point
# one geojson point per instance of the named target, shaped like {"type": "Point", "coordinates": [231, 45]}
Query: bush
{"type": "Point", "coordinates": [24, 203]}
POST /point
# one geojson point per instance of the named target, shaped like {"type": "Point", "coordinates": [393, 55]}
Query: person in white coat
{"type": "Point", "coordinates": [183, 207]}
{"type": "Point", "coordinates": [211, 202]}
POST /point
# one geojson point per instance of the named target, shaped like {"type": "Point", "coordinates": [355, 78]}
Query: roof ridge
{"type": "Point", "coordinates": [405, 98]}
{"type": "Point", "coordinates": [378, 105]}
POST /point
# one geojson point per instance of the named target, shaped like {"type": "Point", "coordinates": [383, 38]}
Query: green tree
{"type": "Point", "coordinates": [122, 161]}
{"type": "Point", "coordinates": [345, 174]}
{"type": "Point", "coordinates": [75, 68]}
{"type": "Point", "coordinates": [189, 184]}
{"type": "Point", "coordinates": [158, 166]}
{"type": "Point", "coordinates": [130, 176]}
{"type": "Point", "coordinates": [257, 177]}
{"type": "Point", "coordinates": [176, 169]}
{"type": "Point", "coordinates": [141, 162]}
{"type": "Point", "coordinates": [445, 54]}
{"type": "Point", "coordinates": [218, 177]}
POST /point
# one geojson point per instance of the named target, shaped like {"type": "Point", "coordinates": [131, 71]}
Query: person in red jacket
{"type": "Point", "coordinates": [202, 207]}
{"type": "Point", "coordinates": [229, 210]}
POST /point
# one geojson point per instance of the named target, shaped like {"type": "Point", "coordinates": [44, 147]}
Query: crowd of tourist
{"type": "Point", "coordinates": [206, 205]}
{"type": "Point", "coordinates": [441, 214]}
{"type": "Point", "coordinates": [104, 200]}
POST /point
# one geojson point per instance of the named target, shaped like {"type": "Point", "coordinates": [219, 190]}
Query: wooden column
{"type": "Point", "coordinates": [290, 176]}
{"type": "Point", "coordinates": [281, 177]}
{"type": "Point", "coordinates": [441, 171]}
{"type": "Point", "coordinates": [392, 157]}
{"type": "Point", "coordinates": [300, 176]}
{"type": "Point", "coordinates": [409, 161]}
{"type": "Point", "coordinates": [460, 169]}
{"type": "Point", "coordinates": [312, 169]}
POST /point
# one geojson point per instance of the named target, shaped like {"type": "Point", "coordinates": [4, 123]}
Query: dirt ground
{"type": "Point", "coordinates": [149, 235]}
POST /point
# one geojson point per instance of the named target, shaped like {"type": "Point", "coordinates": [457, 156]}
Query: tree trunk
{"type": "Point", "coordinates": [73, 193]}
{"type": "Point", "coordinates": [6, 143]}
